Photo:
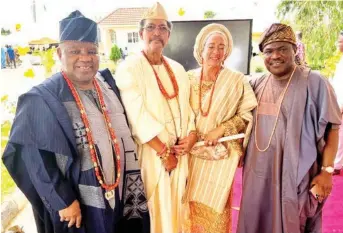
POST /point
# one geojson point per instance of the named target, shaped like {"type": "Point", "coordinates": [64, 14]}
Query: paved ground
{"type": "Point", "coordinates": [13, 82]}
{"type": "Point", "coordinates": [26, 220]}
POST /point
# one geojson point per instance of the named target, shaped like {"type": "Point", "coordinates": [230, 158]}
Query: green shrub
{"type": "Point", "coordinates": [115, 54]}
{"type": "Point", "coordinates": [259, 69]}
{"type": "Point", "coordinates": [330, 64]}
{"type": "Point", "coordinates": [7, 184]}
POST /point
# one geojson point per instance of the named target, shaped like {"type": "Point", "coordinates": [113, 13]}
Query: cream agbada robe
{"type": "Point", "coordinates": [150, 116]}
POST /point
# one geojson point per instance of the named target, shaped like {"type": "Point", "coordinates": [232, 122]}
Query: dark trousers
{"type": "Point", "coordinates": [12, 61]}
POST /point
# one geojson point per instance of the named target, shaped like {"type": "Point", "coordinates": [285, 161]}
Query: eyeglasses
{"type": "Point", "coordinates": [152, 27]}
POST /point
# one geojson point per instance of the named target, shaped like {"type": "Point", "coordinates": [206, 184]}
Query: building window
{"type": "Point", "coordinates": [132, 37]}
{"type": "Point", "coordinates": [99, 35]}
{"type": "Point", "coordinates": [113, 37]}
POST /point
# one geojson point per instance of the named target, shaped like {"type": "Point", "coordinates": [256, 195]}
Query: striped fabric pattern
{"type": "Point", "coordinates": [76, 27]}
{"type": "Point", "coordinates": [209, 181]}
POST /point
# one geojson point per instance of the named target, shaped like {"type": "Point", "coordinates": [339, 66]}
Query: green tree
{"type": "Point", "coordinates": [48, 61]}
{"type": "Point", "coordinates": [9, 107]}
{"type": "Point", "coordinates": [209, 14]}
{"type": "Point", "coordinates": [115, 54]}
{"type": "Point", "coordinates": [5, 32]}
{"type": "Point", "coordinates": [320, 23]}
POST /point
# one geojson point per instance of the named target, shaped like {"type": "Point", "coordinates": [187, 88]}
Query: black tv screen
{"type": "Point", "coordinates": [182, 39]}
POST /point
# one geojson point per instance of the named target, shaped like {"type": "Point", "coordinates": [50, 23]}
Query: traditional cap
{"type": "Point", "coordinates": [205, 33]}
{"type": "Point", "coordinates": [155, 12]}
{"type": "Point", "coordinates": [76, 27]}
{"type": "Point", "coordinates": [275, 33]}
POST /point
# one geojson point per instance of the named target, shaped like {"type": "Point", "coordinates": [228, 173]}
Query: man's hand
{"type": "Point", "coordinates": [185, 145]}
{"type": "Point", "coordinates": [324, 182]}
{"type": "Point", "coordinates": [170, 163]}
{"type": "Point", "coordinates": [211, 139]}
{"type": "Point", "coordinates": [71, 214]}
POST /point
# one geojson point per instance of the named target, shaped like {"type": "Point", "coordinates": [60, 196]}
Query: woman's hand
{"type": "Point", "coordinates": [211, 139]}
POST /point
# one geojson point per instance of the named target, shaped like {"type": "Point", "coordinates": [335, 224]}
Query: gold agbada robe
{"type": "Point", "coordinates": [149, 116]}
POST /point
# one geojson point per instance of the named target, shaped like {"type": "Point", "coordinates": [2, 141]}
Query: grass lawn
{"type": "Point", "coordinates": [7, 184]}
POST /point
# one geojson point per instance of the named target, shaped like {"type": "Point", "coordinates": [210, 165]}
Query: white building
{"type": "Point", "coordinates": [121, 27]}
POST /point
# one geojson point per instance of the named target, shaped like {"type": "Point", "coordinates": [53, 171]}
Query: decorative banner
{"type": "Point", "coordinates": [4, 98]}
{"type": "Point", "coordinates": [29, 73]}
{"type": "Point", "coordinates": [181, 11]}
{"type": "Point", "coordinates": [18, 27]}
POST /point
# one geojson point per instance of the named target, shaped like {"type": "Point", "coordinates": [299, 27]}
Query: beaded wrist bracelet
{"type": "Point", "coordinates": [165, 156]}
{"type": "Point", "coordinates": [162, 151]}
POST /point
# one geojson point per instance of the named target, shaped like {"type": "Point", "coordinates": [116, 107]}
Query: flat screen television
{"type": "Point", "coordinates": [182, 39]}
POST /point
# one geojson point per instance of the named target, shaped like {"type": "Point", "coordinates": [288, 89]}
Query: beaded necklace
{"type": "Point", "coordinates": [205, 114]}
{"type": "Point", "coordinates": [163, 90]}
{"type": "Point", "coordinates": [277, 116]}
{"type": "Point", "coordinates": [109, 194]}
{"type": "Point", "coordinates": [171, 76]}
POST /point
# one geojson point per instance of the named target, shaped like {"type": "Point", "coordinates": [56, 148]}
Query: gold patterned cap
{"type": "Point", "coordinates": [277, 32]}
{"type": "Point", "coordinates": [155, 12]}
